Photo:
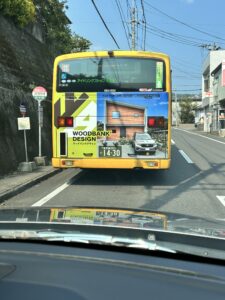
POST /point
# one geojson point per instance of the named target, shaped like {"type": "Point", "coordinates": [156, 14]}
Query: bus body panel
{"type": "Point", "coordinates": [107, 126]}
{"type": "Point", "coordinates": [112, 163]}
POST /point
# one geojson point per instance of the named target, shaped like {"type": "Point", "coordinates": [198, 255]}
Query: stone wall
{"type": "Point", "coordinates": [25, 62]}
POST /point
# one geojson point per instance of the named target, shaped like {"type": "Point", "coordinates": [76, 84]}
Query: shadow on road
{"type": "Point", "coordinates": [178, 172]}
{"type": "Point", "coordinates": [160, 187]}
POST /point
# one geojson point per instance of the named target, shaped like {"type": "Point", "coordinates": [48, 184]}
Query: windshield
{"type": "Point", "coordinates": [143, 137]}
{"type": "Point", "coordinates": [116, 127]}
{"type": "Point", "coordinates": [120, 74]}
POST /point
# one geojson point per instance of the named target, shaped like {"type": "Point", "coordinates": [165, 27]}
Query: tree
{"type": "Point", "coordinates": [51, 15]}
{"type": "Point", "coordinates": [187, 111]}
{"type": "Point", "coordinates": [22, 11]}
{"type": "Point", "coordinates": [79, 43]}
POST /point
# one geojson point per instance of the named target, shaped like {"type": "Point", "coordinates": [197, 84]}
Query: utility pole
{"type": "Point", "coordinates": [133, 26]}
{"type": "Point", "coordinates": [210, 47]}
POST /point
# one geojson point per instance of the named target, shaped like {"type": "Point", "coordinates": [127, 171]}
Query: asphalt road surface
{"type": "Point", "coordinates": [194, 185]}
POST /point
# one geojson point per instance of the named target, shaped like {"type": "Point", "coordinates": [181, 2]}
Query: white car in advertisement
{"type": "Point", "coordinates": [143, 143]}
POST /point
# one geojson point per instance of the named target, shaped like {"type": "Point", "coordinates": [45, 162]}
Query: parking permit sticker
{"type": "Point", "coordinates": [159, 74]}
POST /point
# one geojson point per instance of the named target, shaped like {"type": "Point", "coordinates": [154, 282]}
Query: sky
{"type": "Point", "coordinates": [186, 60]}
{"type": "Point", "coordinates": [155, 107]}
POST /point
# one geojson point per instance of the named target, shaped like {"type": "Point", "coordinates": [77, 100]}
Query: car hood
{"type": "Point", "coordinates": [120, 218]}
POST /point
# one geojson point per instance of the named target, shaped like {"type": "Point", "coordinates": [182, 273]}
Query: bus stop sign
{"type": "Point", "coordinates": [39, 93]}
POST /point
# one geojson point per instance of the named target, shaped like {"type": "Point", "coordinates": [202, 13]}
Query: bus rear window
{"type": "Point", "coordinates": [104, 74]}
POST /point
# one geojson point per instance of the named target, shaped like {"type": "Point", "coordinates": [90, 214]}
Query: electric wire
{"type": "Point", "coordinates": [122, 20]}
{"type": "Point", "coordinates": [103, 21]}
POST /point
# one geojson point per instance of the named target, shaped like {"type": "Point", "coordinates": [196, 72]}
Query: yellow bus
{"type": "Point", "coordinates": [112, 109]}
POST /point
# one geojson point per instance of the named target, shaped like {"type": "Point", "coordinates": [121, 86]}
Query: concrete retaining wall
{"type": "Point", "coordinates": [24, 63]}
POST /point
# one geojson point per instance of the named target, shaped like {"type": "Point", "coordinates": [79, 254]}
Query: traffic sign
{"type": "Point", "coordinates": [24, 123]}
{"type": "Point", "coordinates": [39, 93]}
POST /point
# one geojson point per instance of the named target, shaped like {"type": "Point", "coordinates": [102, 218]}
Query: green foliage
{"type": "Point", "coordinates": [187, 111]}
{"type": "Point", "coordinates": [51, 14]}
{"type": "Point", "coordinates": [79, 43]}
{"type": "Point", "coordinates": [22, 11]}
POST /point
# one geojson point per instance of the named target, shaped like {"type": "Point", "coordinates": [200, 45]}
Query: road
{"type": "Point", "coordinates": [194, 185]}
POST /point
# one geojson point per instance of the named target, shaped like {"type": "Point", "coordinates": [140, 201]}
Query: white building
{"type": "Point", "coordinates": [213, 93]}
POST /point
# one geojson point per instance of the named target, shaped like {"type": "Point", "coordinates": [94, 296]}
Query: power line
{"type": "Point", "coordinates": [173, 36]}
{"type": "Point", "coordinates": [105, 24]}
{"type": "Point", "coordinates": [188, 37]}
{"type": "Point", "coordinates": [168, 36]}
{"type": "Point", "coordinates": [183, 23]}
{"type": "Point", "coordinates": [128, 8]}
{"type": "Point", "coordinates": [144, 21]}
{"type": "Point", "coordinates": [122, 20]}
{"type": "Point", "coordinates": [187, 75]}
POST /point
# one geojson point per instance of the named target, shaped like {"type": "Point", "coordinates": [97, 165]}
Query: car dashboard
{"type": "Point", "coordinates": [39, 270]}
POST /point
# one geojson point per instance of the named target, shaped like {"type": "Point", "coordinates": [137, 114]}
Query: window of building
{"type": "Point", "coordinates": [206, 84]}
{"type": "Point", "coordinates": [115, 114]}
{"type": "Point", "coordinates": [222, 124]}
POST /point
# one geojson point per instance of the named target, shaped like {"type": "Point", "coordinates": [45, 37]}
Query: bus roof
{"type": "Point", "coordinates": [109, 53]}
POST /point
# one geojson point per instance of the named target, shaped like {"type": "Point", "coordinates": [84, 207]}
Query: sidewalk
{"type": "Point", "coordinates": [13, 184]}
{"type": "Point", "coordinates": [191, 128]}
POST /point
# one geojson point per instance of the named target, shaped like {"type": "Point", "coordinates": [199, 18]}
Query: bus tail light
{"type": "Point", "coordinates": [61, 122]}
{"type": "Point", "coordinates": [69, 121]}
{"type": "Point", "coordinates": [65, 122]}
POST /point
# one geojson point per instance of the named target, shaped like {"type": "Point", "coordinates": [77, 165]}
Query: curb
{"type": "Point", "coordinates": [19, 189]}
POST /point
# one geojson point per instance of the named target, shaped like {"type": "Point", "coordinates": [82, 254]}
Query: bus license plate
{"type": "Point", "coordinates": [110, 151]}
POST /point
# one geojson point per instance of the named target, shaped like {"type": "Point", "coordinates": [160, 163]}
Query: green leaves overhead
{"type": "Point", "coordinates": [22, 11]}
{"type": "Point", "coordinates": [51, 16]}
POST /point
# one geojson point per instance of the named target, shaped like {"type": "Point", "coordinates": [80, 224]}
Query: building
{"type": "Point", "coordinates": [211, 111]}
{"type": "Point", "coordinates": [124, 119]}
{"type": "Point", "coordinates": [218, 92]}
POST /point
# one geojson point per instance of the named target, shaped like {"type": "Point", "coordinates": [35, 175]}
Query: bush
{"type": "Point", "coordinates": [22, 11]}
{"type": "Point", "coordinates": [51, 15]}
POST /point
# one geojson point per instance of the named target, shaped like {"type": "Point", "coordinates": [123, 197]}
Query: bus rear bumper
{"type": "Point", "coordinates": [102, 163]}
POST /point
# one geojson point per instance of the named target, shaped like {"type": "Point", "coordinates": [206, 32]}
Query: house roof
{"type": "Point", "coordinates": [126, 104]}
{"type": "Point", "coordinates": [124, 125]}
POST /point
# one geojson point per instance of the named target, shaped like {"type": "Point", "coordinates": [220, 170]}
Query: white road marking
{"type": "Point", "coordinates": [221, 199]}
{"type": "Point", "coordinates": [205, 137]}
{"type": "Point", "coordinates": [186, 157]}
{"type": "Point", "coordinates": [172, 141]}
{"type": "Point", "coordinates": [52, 194]}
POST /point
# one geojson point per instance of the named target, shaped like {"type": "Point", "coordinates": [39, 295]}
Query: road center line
{"type": "Point", "coordinates": [186, 157]}
{"type": "Point", "coordinates": [221, 199]}
{"type": "Point", "coordinates": [52, 194]}
{"type": "Point", "coordinates": [205, 137]}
